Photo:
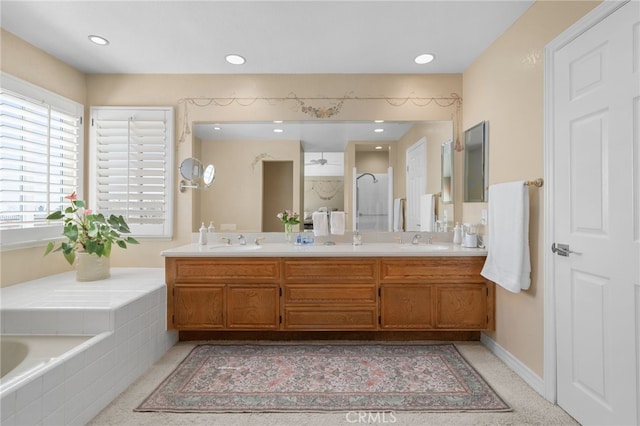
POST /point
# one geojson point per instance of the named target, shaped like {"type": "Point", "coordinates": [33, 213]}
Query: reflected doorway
{"type": "Point", "coordinates": [277, 193]}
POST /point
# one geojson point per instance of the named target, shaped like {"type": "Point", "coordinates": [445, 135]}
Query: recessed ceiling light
{"type": "Point", "coordinates": [425, 58]}
{"type": "Point", "coordinates": [235, 59]}
{"type": "Point", "coordinates": [98, 40]}
{"type": "Point", "coordinates": [278, 130]}
{"type": "Point", "coordinates": [379, 130]}
{"type": "Point", "coordinates": [378, 147]}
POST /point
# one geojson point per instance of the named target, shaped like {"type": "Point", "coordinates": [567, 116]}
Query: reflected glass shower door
{"type": "Point", "coordinates": [372, 202]}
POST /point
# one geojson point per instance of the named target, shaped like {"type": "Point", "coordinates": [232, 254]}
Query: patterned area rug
{"type": "Point", "coordinates": [332, 377]}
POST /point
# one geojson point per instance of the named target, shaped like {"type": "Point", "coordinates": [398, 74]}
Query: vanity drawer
{"type": "Point", "coordinates": [207, 270]}
{"type": "Point", "coordinates": [330, 294]}
{"type": "Point", "coordinates": [330, 270]}
{"type": "Point", "coordinates": [330, 318]}
{"type": "Point", "coordinates": [432, 269]}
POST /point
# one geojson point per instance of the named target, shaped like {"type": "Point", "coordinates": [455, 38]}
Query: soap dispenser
{"type": "Point", "coordinates": [457, 234]}
{"type": "Point", "coordinates": [203, 235]}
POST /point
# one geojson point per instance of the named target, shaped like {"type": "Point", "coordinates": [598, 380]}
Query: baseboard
{"type": "Point", "coordinates": [525, 373]}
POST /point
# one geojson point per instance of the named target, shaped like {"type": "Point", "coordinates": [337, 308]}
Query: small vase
{"type": "Point", "coordinates": [90, 267]}
{"type": "Point", "coordinates": [288, 231]}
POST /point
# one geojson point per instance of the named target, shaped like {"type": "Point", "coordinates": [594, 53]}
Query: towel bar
{"type": "Point", "coordinates": [537, 183]}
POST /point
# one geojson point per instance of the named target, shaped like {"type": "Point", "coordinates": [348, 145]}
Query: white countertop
{"type": "Point", "coordinates": [319, 250]}
{"type": "Point", "coordinates": [62, 291]}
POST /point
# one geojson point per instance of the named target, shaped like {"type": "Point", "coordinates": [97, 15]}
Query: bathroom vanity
{"type": "Point", "coordinates": [283, 288]}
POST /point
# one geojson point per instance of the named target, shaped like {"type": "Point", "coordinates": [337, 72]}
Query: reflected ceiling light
{"type": "Point", "coordinates": [277, 121]}
{"type": "Point", "coordinates": [235, 59]}
{"type": "Point", "coordinates": [379, 130]}
{"type": "Point", "coordinates": [278, 130]}
{"type": "Point", "coordinates": [216, 128]}
{"type": "Point", "coordinates": [378, 147]}
{"type": "Point", "coordinates": [101, 41]}
{"type": "Point", "coordinates": [425, 58]}
{"type": "Point", "coordinates": [378, 121]}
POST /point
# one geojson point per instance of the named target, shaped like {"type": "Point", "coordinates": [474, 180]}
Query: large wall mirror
{"type": "Point", "coordinates": [476, 160]}
{"type": "Point", "coordinates": [447, 168]}
{"type": "Point", "coordinates": [322, 165]}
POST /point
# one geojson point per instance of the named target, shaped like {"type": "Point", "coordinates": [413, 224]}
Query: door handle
{"type": "Point", "coordinates": [562, 249]}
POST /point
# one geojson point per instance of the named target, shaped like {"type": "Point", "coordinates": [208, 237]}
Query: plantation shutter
{"type": "Point", "coordinates": [40, 159]}
{"type": "Point", "coordinates": [131, 161]}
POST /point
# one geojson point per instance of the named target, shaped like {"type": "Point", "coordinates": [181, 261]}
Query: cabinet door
{"type": "Point", "coordinates": [198, 307]}
{"type": "Point", "coordinates": [462, 306]}
{"type": "Point", "coordinates": [406, 307]}
{"type": "Point", "coordinates": [253, 306]}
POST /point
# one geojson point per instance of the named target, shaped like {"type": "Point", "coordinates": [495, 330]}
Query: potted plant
{"type": "Point", "coordinates": [288, 218]}
{"type": "Point", "coordinates": [90, 237]}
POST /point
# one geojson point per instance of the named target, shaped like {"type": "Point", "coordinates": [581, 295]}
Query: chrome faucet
{"type": "Point", "coordinates": [227, 239]}
{"type": "Point", "coordinates": [243, 241]}
{"type": "Point", "coordinates": [416, 238]}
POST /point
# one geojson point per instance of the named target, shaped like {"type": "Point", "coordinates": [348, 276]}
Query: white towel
{"type": "Point", "coordinates": [337, 223]}
{"type": "Point", "coordinates": [320, 224]}
{"type": "Point", "coordinates": [427, 212]}
{"type": "Point", "coordinates": [508, 263]}
{"type": "Point", "coordinates": [397, 215]}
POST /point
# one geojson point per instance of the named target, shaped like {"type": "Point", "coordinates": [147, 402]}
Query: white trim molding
{"type": "Point", "coordinates": [518, 367]}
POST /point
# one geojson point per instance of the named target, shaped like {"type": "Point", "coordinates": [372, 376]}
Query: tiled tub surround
{"type": "Point", "coordinates": [126, 317]}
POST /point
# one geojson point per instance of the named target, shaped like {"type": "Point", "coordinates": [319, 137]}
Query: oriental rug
{"type": "Point", "coordinates": [323, 377]}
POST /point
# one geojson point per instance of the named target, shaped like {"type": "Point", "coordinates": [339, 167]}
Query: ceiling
{"type": "Point", "coordinates": [304, 36]}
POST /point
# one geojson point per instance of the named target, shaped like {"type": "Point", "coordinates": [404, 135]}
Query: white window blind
{"type": "Point", "coordinates": [131, 159]}
{"type": "Point", "coordinates": [40, 159]}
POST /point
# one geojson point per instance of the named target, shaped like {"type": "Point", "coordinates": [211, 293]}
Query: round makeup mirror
{"type": "Point", "coordinates": [194, 174]}
{"type": "Point", "coordinates": [191, 169]}
{"type": "Point", "coordinates": [209, 175]}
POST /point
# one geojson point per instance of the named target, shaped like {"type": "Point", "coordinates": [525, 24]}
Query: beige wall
{"type": "Point", "coordinates": [235, 196]}
{"type": "Point", "coordinates": [372, 161]}
{"type": "Point", "coordinates": [323, 191]}
{"type": "Point", "coordinates": [505, 86]}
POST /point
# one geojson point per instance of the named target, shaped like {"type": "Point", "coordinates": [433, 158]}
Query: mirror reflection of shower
{"type": "Point", "coordinates": [372, 210]}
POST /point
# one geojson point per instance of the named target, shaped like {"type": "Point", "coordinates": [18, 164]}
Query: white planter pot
{"type": "Point", "coordinates": [90, 267]}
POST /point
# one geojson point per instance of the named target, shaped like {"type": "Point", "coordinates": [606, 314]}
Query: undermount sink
{"type": "Point", "coordinates": [235, 248]}
{"type": "Point", "coordinates": [422, 247]}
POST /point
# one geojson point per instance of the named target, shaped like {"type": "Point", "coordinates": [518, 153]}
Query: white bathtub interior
{"type": "Point", "coordinates": [24, 356]}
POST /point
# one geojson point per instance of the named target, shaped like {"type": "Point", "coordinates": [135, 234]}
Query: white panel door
{"type": "Point", "coordinates": [596, 92]}
{"type": "Point", "coordinates": [416, 182]}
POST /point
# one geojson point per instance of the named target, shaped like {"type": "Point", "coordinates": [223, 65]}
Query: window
{"type": "Point", "coordinates": [40, 159]}
{"type": "Point", "coordinates": [131, 163]}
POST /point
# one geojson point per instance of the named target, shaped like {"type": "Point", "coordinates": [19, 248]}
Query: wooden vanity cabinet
{"type": "Point", "coordinates": [330, 294]}
{"type": "Point", "coordinates": [435, 293]}
{"type": "Point", "coordinates": [231, 294]}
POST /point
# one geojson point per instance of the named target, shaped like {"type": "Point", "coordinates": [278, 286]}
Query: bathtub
{"type": "Point", "coordinates": [23, 357]}
{"type": "Point", "coordinates": [72, 347]}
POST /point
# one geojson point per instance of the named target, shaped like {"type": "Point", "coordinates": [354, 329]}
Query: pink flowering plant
{"type": "Point", "coordinates": [88, 232]}
{"type": "Point", "coordinates": [289, 217]}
